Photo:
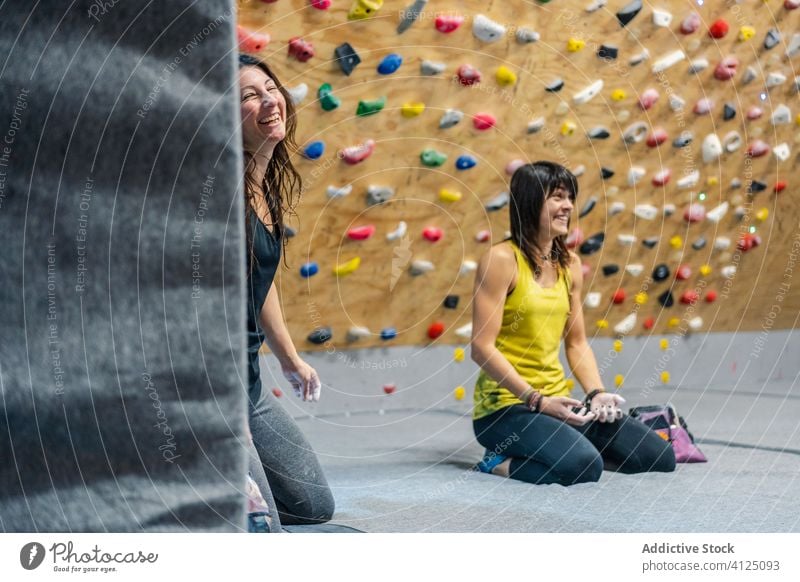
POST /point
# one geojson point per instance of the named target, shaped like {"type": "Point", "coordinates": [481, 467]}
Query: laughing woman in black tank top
{"type": "Point", "coordinates": [281, 460]}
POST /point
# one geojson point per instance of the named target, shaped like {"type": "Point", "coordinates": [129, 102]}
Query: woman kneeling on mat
{"type": "Point", "coordinates": [527, 297]}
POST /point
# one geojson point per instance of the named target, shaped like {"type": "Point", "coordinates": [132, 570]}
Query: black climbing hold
{"type": "Point", "coordinates": [728, 112]}
{"type": "Point", "coordinates": [320, 335]}
{"type": "Point", "coordinates": [607, 52]}
{"type": "Point", "coordinates": [347, 57]}
{"type": "Point", "coordinates": [699, 244]}
{"type": "Point", "coordinates": [756, 187]}
{"type": "Point", "coordinates": [666, 299]}
{"type": "Point", "coordinates": [451, 301]}
{"type": "Point", "coordinates": [592, 244]}
{"type": "Point", "coordinates": [773, 38]}
{"type": "Point", "coordinates": [650, 242]}
{"type": "Point", "coordinates": [629, 12]}
{"type": "Point", "coordinates": [661, 272]}
{"type": "Point", "coordinates": [609, 270]}
{"type": "Point", "coordinates": [588, 207]}
{"type": "Point", "coordinates": [606, 173]}
{"type": "Point", "coordinates": [288, 231]}
{"type": "Point", "coordinates": [599, 133]}
{"type": "Point", "coordinates": [555, 86]}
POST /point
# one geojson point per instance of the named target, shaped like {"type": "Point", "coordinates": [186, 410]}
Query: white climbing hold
{"type": "Point", "coordinates": [635, 269]}
{"type": "Point", "coordinates": [588, 93]}
{"type": "Point", "coordinates": [635, 132]}
{"type": "Point", "coordinates": [356, 332]}
{"type": "Point", "coordinates": [781, 115]}
{"type": "Point", "coordinates": [298, 93]}
{"type": "Point", "coordinates": [498, 202]}
{"type": "Point", "coordinates": [596, 5]}
{"type": "Point", "coordinates": [732, 141]}
{"type": "Point", "coordinates": [592, 300]}
{"type": "Point", "coordinates": [669, 209]}
{"type": "Point", "coordinates": [729, 271]}
{"type": "Point", "coordinates": [467, 267]}
{"type": "Point", "coordinates": [676, 102]}
{"type": "Point", "coordinates": [722, 243]}
{"type": "Point", "coordinates": [429, 68]}
{"type": "Point", "coordinates": [536, 125]}
{"type": "Point", "coordinates": [712, 148]}
{"type": "Point", "coordinates": [616, 208]}
{"type": "Point", "coordinates": [668, 61]}
{"type": "Point", "coordinates": [696, 323]}
{"type": "Point", "coordinates": [486, 29]}
{"type": "Point", "coordinates": [716, 214]}
{"type": "Point", "coordinates": [398, 232]}
{"type": "Point", "coordinates": [334, 192]}
{"type": "Point", "coordinates": [379, 194]}
{"type": "Point", "coordinates": [420, 267]}
{"type": "Point", "coordinates": [526, 35]}
{"type": "Point", "coordinates": [750, 74]}
{"type": "Point", "coordinates": [661, 17]}
{"type": "Point", "coordinates": [639, 58]}
{"type": "Point", "coordinates": [774, 79]}
{"type": "Point", "coordinates": [646, 211]}
{"type": "Point", "coordinates": [464, 331]}
{"type": "Point", "coordinates": [579, 170]}
{"type": "Point", "coordinates": [782, 151]}
{"type": "Point", "coordinates": [689, 180]}
{"type": "Point", "coordinates": [626, 326]}
{"type": "Point", "coordinates": [635, 174]}
{"type": "Point", "coordinates": [626, 240]}
{"type": "Point", "coordinates": [450, 118]}
{"type": "Point", "coordinates": [562, 108]}
{"type": "Point", "coordinates": [793, 48]}
{"type": "Point", "coordinates": [698, 65]}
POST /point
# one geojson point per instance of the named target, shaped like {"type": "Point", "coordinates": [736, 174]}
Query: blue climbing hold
{"type": "Point", "coordinates": [465, 162]}
{"type": "Point", "coordinates": [390, 64]}
{"type": "Point", "coordinates": [314, 150]}
{"type": "Point", "coordinates": [388, 333]}
{"type": "Point", "coordinates": [309, 270]}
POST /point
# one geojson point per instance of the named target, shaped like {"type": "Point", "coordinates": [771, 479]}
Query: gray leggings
{"type": "Point", "coordinates": [285, 466]}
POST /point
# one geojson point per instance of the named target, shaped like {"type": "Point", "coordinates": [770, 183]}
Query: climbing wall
{"type": "Point", "coordinates": [680, 119]}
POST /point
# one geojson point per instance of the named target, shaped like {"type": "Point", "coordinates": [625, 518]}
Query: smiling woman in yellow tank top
{"type": "Point", "coordinates": [527, 299]}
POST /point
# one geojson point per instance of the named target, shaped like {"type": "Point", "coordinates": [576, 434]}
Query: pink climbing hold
{"type": "Point", "coordinates": [754, 112]}
{"type": "Point", "coordinates": [320, 4]}
{"type": "Point", "coordinates": [483, 121]}
{"type": "Point", "coordinates": [656, 138]}
{"type": "Point", "coordinates": [757, 149]}
{"type": "Point", "coordinates": [468, 75]}
{"type": "Point", "coordinates": [433, 233]}
{"type": "Point", "coordinates": [648, 99]}
{"type": "Point", "coordinates": [483, 236]}
{"type": "Point", "coordinates": [251, 42]}
{"type": "Point", "coordinates": [586, 269]}
{"type": "Point", "coordinates": [277, 392]}
{"type": "Point", "coordinates": [300, 49]}
{"type": "Point", "coordinates": [435, 329]}
{"type": "Point", "coordinates": [359, 153]}
{"type": "Point", "coordinates": [513, 166]}
{"type": "Point", "coordinates": [791, 4]}
{"type": "Point", "coordinates": [683, 272]}
{"type": "Point", "coordinates": [574, 238]}
{"type": "Point", "coordinates": [361, 232]}
{"type": "Point", "coordinates": [703, 106]}
{"type": "Point", "coordinates": [694, 213]}
{"type": "Point", "coordinates": [726, 69]}
{"type": "Point", "coordinates": [448, 22]}
{"type": "Point", "coordinates": [690, 24]}
{"type": "Point", "coordinates": [662, 177]}
{"type": "Point", "coordinates": [689, 297]}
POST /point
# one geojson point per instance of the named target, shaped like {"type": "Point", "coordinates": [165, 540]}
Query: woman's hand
{"type": "Point", "coordinates": [303, 378]}
{"type": "Point", "coordinates": [561, 407]}
{"type": "Point", "coordinates": [606, 406]}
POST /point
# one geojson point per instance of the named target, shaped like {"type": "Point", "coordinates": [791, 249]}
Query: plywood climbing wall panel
{"type": "Point", "coordinates": [558, 81]}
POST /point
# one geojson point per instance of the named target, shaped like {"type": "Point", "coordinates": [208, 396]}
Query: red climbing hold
{"type": "Point", "coordinates": [300, 49]}
{"type": "Point", "coordinates": [690, 24]}
{"type": "Point", "coordinates": [656, 138]}
{"type": "Point", "coordinates": [468, 75]}
{"type": "Point", "coordinates": [694, 213]}
{"type": "Point", "coordinates": [448, 22]}
{"type": "Point", "coordinates": [726, 69]}
{"type": "Point", "coordinates": [251, 42]}
{"type": "Point", "coordinates": [683, 272]}
{"type": "Point", "coordinates": [320, 4]}
{"type": "Point", "coordinates": [747, 241]}
{"type": "Point", "coordinates": [483, 121]}
{"type": "Point", "coordinates": [662, 177]}
{"type": "Point", "coordinates": [358, 153]}
{"type": "Point", "coordinates": [574, 238]}
{"type": "Point", "coordinates": [389, 388]}
{"type": "Point", "coordinates": [277, 392]}
{"type": "Point", "coordinates": [718, 29]}
{"type": "Point", "coordinates": [689, 297]}
{"type": "Point", "coordinates": [757, 149]}
{"type": "Point", "coordinates": [649, 323]}
{"type": "Point", "coordinates": [435, 329]}
{"type": "Point", "coordinates": [648, 98]}
{"type": "Point", "coordinates": [711, 296]}
{"type": "Point", "coordinates": [618, 297]}
{"type": "Point", "coordinates": [361, 232]}
{"type": "Point", "coordinates": [780, 186]}
{"type": "Point", "coordinates": [432, 233]}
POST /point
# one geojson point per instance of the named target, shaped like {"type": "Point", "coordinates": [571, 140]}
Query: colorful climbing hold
{"type": "Point", "coordinates": [483, 236]}
{"type": "Point", "coordinates": [435, 329]}
{"type": "Point", "coordinates": [619, 380]}
{"type": "Point", "coordinates": [601, 323]}
{"type": "Point", "coordinates": [412, 109]}
{"type": "Point", "coordinates": [358, 153]}
{"type": "Point", "coordinates": [447, 195]}
{"type": "Point", "coordinates": [718, 29]}
{"type": "Point", "coordinates": [361, 9]}
{"type": "Point", "coordinates": [683, 272]}
{"type": "Point", "coordinates": [690, 24]}
{"type": "Point", "coordinates": [575, 44]}
{"type": "Point", "coordinates": [327, 100]}
{"type": "Point", "coordinates": [663, 344]}
{"type": "Point", "coordinates": [468, 75]}
{"type": "Point", "coordinates": [251, 42]}
{"type": "Point", "coordinates": [347, 57]}
{"type": "Point", "coordinates": [314, 150]}
{"type": "Point", "coordinates": [370, 107]}
{"type": "Point", "coordinates": [505, 77]}
{"type": "Point", "coordinates": [568, 128]}
{"type": "Point", "coordinates": [676, 241]}
{"type": "Point", "coordinates": [726, 69]}
{"type": "Point", "coordinates": [432, 233]}
{"type": "Point", "coordinates": [619, 297]}
{"type": "Point", "coordinates": [705, 270]}
{"type": "Point", "coordinates": [459, 393]}
{"type": "Point", "coordinates": [300, 49]}
{"type": "Point", "coordinates": [665, 377]}
{"type": "Point", "coordinates": [388, 333]}
{"type": "Point", "coordinates": [648, 98]}
{"type": "Point", "coordinates": [389, 64]}
{"type": "Point", "coordinates": [309, 270]}
{"type": "Point", "coordinates": [465, 162]}
{"type": "Point", "coordinates": [447, 23]}
{"type": "Point", "coordinates": [617, 345]}
{"type": "Point", "coordinates": [618, 95]}
{"type": "Point", "coordinates": [389, 388]}
{"type": "Point", "coordinates": [432, 158]}
{"type": "Point", "coordinates": [689, 297]}
{"type": "Point", "coordinates": [347, 267]}
{"type": "Point", "coordinates": [361, 232]}
{"type": "Point", "coordinates": [640, 298]}
{"type": "Point", "coordinates": [277, 392]}
{"type": "Point", "coordinates": [483, 121]}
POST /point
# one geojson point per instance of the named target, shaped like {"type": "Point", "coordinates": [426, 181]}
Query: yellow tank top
{"type": "Point", "coordinates": [534, 319]}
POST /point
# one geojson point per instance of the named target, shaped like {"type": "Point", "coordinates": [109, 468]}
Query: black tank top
{"type": "Point", "coordinates": [267, 255]}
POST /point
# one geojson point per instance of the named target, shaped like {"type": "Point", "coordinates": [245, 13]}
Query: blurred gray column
{"type": "Point", "coordinates": [122, 330]}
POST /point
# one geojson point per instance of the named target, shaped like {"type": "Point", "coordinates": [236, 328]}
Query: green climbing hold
{"type": "Point", "coordinates": [370, 107]}
{"type": "Point", "coordinates": [327, 99]}
{"type": "Point", "coordinates": [431, 158]}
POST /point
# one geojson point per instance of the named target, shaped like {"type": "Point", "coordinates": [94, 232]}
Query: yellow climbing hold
{"type": "Point", "coordinates": [618, 94]}
{"type": "Point", "coordinates": [705, 270]}
{"type": "Point", "coordinates": [575, 44]}
{"type": "Point", "coordinates": [458, 354]}
{"type": "Point", "coordinates": [446, 195]}
{"type": "Point", "coordinates": [746, 33]}
{"type": "Point", "coordinates": [665, 377]}
{"type": "Point", "coordinates": [412, 109]}
{"type": "Point", "coordinates": [762, 214]}
{"type": "Point", "coordinates": [712, 181]}
{"type": "Point", "coordinates": [570, 383]}
{"type": "Point", "coordinates": [617, 345]}
{"type": "Point", "coordinates": [618, 380]}
{"type": "Point", "coordinates": [459, 393]}
{"type": "Point", "coordinates": [640, 298]}
{"type": "Point", "coordinates": [676, 242]}
{"type": "Point", "coordinates": [797, 119]}
{"type": "Point", "coordinates": [363, 8]}
{"type": "Point", "coordinates": [674, 322]}
{"type": "Point", "coordinates": [567, 128]}
{"type": "Point", "coordinates": [505, 76]}
{"type": "Point", "coordinates": [602, 323]}
{"type": "Point", "coordinates": [663, 344]}
{"type": "Point", "coordinates": [347, 268]}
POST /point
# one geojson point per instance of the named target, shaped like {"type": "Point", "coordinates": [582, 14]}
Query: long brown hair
{"type": "Point", "coordinates": [281, 181]}
{"type": "Point", "coordinates": [531, 185]}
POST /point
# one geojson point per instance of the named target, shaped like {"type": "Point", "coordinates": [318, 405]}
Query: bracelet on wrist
{"type": "Point", "coordinates": [590, 396]}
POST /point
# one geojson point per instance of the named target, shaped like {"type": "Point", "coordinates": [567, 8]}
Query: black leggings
{"type": "Point", "coordinates": [547, 450]}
